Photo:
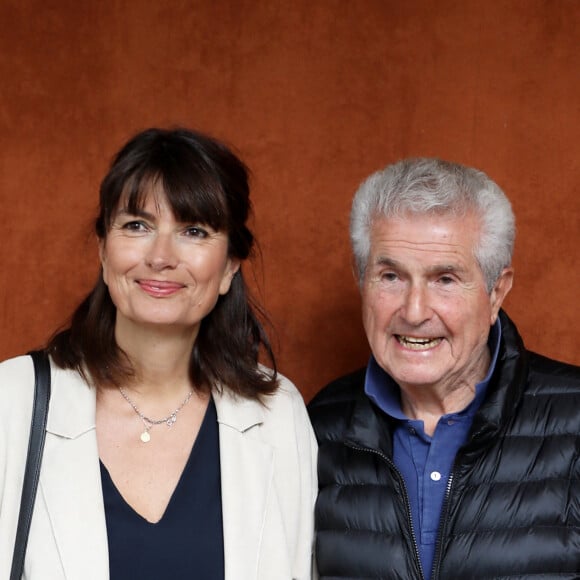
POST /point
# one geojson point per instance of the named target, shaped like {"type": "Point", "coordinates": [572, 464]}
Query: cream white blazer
{"type": "Point", "coordinates": [268, 476]}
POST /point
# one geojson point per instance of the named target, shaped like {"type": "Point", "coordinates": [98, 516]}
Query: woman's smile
{"type": "Point", "coordinates": [160, 288]}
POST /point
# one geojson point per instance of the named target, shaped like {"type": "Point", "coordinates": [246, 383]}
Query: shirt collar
{"type": "Point", "coordinates": [385, 393]}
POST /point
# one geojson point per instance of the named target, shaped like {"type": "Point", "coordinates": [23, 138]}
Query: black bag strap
{"type": "Point", "coordinates": [33, 459]}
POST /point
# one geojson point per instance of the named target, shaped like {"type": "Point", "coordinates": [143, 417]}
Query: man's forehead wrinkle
{"type": "Point", "coordinates": [386, 237]}
{"type": "Point", "coordinates": [385, 248]}
{"type": "Point", "coordinates": [382, 260]}
{"type": "Point", "coordinates": [454, 263]}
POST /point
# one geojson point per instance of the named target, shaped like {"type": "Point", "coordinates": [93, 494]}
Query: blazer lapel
{"type": "Point", "coordinates": [70, 481]}
{"type": "Point", "coordinates": [247, 477]}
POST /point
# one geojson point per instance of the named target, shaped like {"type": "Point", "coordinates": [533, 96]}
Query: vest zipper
{"type": "Point", "coordinates": [405, 497]}
{"type": "Point", "coordinates": [441, 529]}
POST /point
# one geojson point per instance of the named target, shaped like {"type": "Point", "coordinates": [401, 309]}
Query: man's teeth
{"type": "Point", "coordinates": [415, 343]}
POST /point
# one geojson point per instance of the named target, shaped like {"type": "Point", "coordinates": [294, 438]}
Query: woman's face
{"type": "Point", "coordinates": [161, 272]}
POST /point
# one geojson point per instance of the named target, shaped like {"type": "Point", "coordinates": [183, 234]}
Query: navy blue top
{"type": "Point", "coordinates": [426, 462]}
{"type": "Point", "coordinates": [187, 542]}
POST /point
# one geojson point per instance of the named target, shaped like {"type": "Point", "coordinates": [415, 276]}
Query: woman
{"type": "Point", "coordinates": [170, 453]}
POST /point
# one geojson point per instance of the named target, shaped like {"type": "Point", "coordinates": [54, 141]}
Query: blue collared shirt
{"type": "Point", "coordinates": [426, 462]}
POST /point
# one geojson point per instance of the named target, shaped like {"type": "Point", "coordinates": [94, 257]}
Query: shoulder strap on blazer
{"type": "Point", "coordinates": [33, 459]}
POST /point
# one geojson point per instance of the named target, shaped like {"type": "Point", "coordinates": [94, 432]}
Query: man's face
{"type": "Point", "coordinates": [426, 310]}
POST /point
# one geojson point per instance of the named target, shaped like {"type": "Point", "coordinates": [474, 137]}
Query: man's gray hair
{"type": "Point", "coordinates": [433, 186]}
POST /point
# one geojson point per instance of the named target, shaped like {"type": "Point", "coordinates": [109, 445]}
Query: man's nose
{"type": "Point", "coordinates": [416, 308]}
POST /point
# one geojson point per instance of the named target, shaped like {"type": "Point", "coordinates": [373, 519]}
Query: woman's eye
{"type": "Point", "coordinates": [134, 226]}
{"type": "Point", "coordinates": [196, 232]}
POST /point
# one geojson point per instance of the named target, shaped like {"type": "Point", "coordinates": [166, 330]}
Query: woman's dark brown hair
{"type": "Point", "coordinates": [204, 182]}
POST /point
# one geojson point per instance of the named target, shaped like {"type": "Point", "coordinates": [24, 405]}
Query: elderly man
{"type": "Point", "coordinates": [455, 453]}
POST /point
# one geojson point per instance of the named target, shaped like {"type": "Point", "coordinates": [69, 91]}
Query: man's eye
{"type": "Point", "coordinates": [389, 276]}
{"type": "Point", "coordinates": [445, 280]}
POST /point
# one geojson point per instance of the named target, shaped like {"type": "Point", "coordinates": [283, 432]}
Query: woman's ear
{"type": "Point", "coordinates": [101, 244]}
{"type": "Point", "coordinates": [103, 258]}
{"type": "Point", "coordinates": [230, 271]}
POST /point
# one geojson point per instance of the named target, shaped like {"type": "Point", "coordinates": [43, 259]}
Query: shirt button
{"type": "Point", "coordinates": [435, 476]}
{"type": "Point", "coordinates": [412, 430]}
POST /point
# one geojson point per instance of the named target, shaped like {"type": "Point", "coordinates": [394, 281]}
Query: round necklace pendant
{"type": "Point", "coordinates": [145, 437]}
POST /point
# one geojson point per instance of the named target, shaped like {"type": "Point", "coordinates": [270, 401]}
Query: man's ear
{"type": "Point", "coordinates": [500, 290]}
{"type": "Point", "coordinates": [355, 272]}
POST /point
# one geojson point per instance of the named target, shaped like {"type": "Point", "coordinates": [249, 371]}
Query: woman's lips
{"type": "Point", "coordinates": [159, 288]}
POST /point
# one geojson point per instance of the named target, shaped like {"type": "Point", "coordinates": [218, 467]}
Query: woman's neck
{"type": "Point", "coordinates": [160, 357]}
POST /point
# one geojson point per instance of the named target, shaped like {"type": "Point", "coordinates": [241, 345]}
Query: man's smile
{"type": "Point", "coordinates": [418, 343]}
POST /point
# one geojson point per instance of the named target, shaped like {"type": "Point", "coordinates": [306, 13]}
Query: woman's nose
{"type": "Point", "coordinates": [161, 253]}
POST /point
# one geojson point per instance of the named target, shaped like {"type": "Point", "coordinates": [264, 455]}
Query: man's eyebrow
{"type": "Point", "coordinates": [389, 262]}
{"type": "Point", "coordinates": [442, 268]}
{"type": "Point", "coordinates": [385, 261]}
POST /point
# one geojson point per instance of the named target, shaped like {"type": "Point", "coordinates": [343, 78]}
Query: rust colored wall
{"type": "Point", "coordinates": [315, 96]}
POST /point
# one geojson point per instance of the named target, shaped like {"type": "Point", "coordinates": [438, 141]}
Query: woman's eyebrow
{"type": "Point", "coordinates": [137, 213]}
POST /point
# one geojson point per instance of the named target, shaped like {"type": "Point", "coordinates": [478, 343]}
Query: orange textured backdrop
{"type": "Point", "coordinates": [314, 96]}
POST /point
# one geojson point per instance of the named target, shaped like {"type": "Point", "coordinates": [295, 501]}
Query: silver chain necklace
{"type": "Point", "coordinates": [150, 423]}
